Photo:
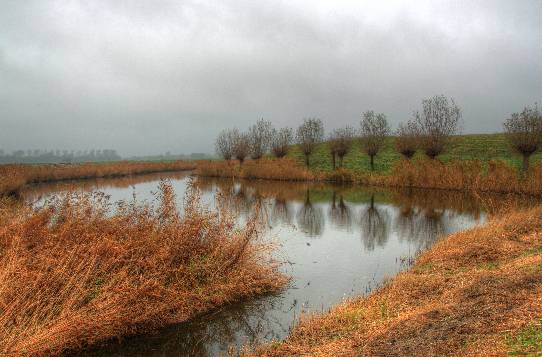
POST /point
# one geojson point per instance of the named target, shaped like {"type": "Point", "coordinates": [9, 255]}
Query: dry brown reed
{"type": "Point", "coordinates": [497, 177]}
{"type": "Point", "coordinates": [284, 169]}
{"type": "Point", "coordinates": [14, 177]}
{"type": "Point", "coordinates": [77, 272]}
{"type": "Point", "coordinates": [462, 297]}
{"type": "Point", "coordinates": [467, 175]}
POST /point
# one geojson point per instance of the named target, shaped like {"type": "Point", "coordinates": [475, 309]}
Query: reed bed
{"type": "Point", "coordinates": [81, 270]}
{"type": "Point", "coordinates": [285, 169]}
{"type": "Point", "coordinates": [14, 177]}
{"type": "Point", "coordinates": [464, 175]}
{"type": "Point", "coordinates": [475, 293]}
{"type": "Point", "coordinates": [496, 176]}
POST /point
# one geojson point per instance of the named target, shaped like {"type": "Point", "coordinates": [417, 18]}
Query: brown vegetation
{"type": "Point", "coordinates": [464, 176]}
{"type": "Point", "coordinates": [14, 177]}
{"type": "Point", "coordinates": [467, 176]}
{"type": "Point", "coordinates": [473, 293]}
{"type": "Point", "coordinates": [74, 273]}
{"type": "Point", "coordinates": [279, 169]}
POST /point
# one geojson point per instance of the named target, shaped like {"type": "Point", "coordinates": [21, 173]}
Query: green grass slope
{"type": "Point", "coordinates": [483, 147]}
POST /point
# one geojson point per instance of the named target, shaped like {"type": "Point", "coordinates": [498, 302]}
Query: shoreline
{"type": "Point", "coordinates": [475, 292]}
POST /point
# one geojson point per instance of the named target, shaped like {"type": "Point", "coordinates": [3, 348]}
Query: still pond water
{"type": "Point", "coordinates": [336, 242]}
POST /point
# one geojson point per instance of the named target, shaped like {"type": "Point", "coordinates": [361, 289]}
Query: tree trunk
{"type": "Point", "coordinates": [333, 161]}
{"type": "Point", "coordinates": [372, 163]}
{"type": "Point", "coordinates": [525, 164]}
{"type": "Point", "coordinates": [307, 160]}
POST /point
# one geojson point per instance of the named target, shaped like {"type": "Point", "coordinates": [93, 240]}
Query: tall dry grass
{"type": "Point", "coordinates": [76, 273]}
{"type": "Point", "coordinates": [285, 169]}
{"type": "Point", "coordinates": [14, 177]}
{"type": "Point", "coordinates": [465, 176]}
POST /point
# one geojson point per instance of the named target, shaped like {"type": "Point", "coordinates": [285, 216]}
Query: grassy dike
{"type": "Point", "coordinates": [482, 147]}
{"type": "Point", "coordinates": [476, 292]}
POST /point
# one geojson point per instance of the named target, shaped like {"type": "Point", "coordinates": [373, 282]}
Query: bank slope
{"type": "Point", "coordinates": [476, 292]}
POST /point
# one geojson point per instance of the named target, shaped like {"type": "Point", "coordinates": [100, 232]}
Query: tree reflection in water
{"type": "Point", "coordinates": [339, 213]}
{"type": "Point", "coordinates": [423, 224]}
{"type": "Point", "coordinates": [282, 212]}
{"type": "Point", "coordinates": [310, 218]}
{"type": "Point", "coordinates": [374, 226]}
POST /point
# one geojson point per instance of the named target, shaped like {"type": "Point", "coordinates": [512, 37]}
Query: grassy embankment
{"type": "Point", "coordinates": [481, 163]}
{"type": "Point", "coordinates": [75, 274]}
{"type": "Point", "coordinates": [477, 292]}
{"type": "Point", "coordinates": [13, 178]}
{"type": "Point", "coordinates": [481, 147]}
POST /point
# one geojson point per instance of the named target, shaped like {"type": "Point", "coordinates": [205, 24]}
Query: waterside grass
{"type": "Point", "coordinates": [81, 271]}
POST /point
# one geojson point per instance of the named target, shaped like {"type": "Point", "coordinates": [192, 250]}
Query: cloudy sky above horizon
{"type": "Point", "coordinates": [147, 76]}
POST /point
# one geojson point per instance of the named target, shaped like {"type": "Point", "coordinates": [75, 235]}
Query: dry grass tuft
{"type": "Point", "coordinates": [14, 177]}
{"type": "Point", "coordinates": [476, 292]}
{"type": "Point", "coordinates": [77, 273]}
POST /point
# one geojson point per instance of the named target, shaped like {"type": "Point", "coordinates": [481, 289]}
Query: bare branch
{"type": "Point", "coordinates": [524, 132]}
{"type": "Point", "coordinates": [438, 120]}
{"type": "Point", "coordinates": [310, 133]}
{"type": "Point", "coordinates": [408, 139]}
{"type": "Point", "coordinates": [340, 143]}
{"type": "Point", "coordinates": [281, 141]}
{"type": "Point", "coordinates": [260, 136]}
{"type": "Point", "coordinates": [374, 130]}
{"type": "Point", "coordinates": [241, 145]}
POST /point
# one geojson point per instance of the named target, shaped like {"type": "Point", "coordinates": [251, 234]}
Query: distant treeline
{"type": "Point", "coordinates": [169, 157]}
{"type": "Point", "coordinates": [57, 156]}
{"type": "Point", "coordinates": [74, 156]}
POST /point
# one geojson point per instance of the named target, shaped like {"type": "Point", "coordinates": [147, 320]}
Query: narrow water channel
{"type": "Point", "coordinates": [336, 242]}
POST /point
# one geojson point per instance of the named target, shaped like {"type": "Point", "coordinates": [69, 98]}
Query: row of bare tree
{"type": "Point", "coordinates": [429, 131]}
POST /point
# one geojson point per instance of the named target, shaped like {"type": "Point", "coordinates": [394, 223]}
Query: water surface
{"type": "Point", "coordinates": [336, 242]}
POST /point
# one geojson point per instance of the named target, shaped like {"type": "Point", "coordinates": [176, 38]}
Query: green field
{"type": "Point", "coordinates": [483, 147]}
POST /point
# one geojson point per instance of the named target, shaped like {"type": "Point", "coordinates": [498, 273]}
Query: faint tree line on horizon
{"type": "Point", "coordinates": [429, 130]}
{"type": "Point", "coordinates": [57, 156]}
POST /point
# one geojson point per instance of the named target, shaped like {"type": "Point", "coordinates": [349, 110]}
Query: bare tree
{"type": "Point", "coordinates": [281, 141]}
{"type": "Point", "coordinates": [310, 133]}
{"type": "Point", "coordinates": [408, 139]}
{"type": "Point", "coordinates": [224, 144]}
{"type": "Point", "coordinates": [260, 136]}
{"type": "Point", "coordinates": [374, 130]}
{"type": "Point", "coordinates": [438, 120]}
{"type": "Point", "coordinates": [241, 145]}
{"type": "Point", "coordinates": [524, 132]}
{"type": "Point", "coordinates": [340, 143]}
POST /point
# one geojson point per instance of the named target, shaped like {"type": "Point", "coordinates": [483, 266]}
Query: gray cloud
{"type": "Point", "coordinates": [148, 77]}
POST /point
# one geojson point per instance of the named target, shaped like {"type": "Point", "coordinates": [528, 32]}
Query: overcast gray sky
{"type": "Point", "coordinates": [148, 76]}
